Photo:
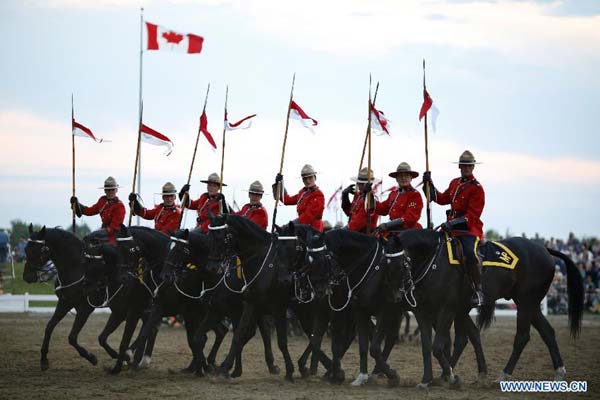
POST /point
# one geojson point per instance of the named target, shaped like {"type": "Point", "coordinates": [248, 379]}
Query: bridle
{"type": "Point", "coordinates": [42, 274]}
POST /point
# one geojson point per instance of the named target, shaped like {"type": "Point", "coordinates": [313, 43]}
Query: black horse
{"type": "Point", "coordinates": [104, 284]}
{"type": "Point", "coordinates": [65, 250]}
{"type": "Point", "coordinates": [441, 291]}
{"type": "Point", "coordinates": [141, 252]}
{"type": "Point", "coordinates": [349, 267]}
{"type": "Point", "coordinates": [267, 266]}
{"type": "Point", "coordinates": [188, 271]}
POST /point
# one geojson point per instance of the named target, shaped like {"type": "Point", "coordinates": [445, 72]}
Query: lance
{"type": "Point", "coordinates": [137, 157]}
{"type": "Point", "coordinates": [362, 155]}
{"type": "Point", "coordinates": [427, 193]}
{"type": "Point", "coordinates": [368, 197]}
{"type": "Point", "coordinates": [223, 149]}
{"type": "Point", "coordinates": [73, 166]}
{"type": "Point", "coordinates": [186, 196]}
{"type": "Point", "coordinates": [287, 124]}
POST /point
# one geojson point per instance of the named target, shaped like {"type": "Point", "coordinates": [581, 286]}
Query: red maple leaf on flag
{"type": "Point", "coordinates": [172, 37]}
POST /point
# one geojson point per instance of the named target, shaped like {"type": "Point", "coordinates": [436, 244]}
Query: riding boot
{"type": "Point", "coordinates": [475, 271]}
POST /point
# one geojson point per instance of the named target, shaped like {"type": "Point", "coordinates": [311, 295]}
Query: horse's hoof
{"type": "Point", "coordinates": [289, 379]}
{"type": "Point", "coordinates": [129, 356]}
{"type": "Point", "coordinates": [423, 386]}
{"type": "Point", "coordinates": [394, 379]}
{"type": "Point", "coordinates": [481, 379]}
{"type": "Point", "coordinates": [561, 373]}
{"type": "Point", "coordinates": [92, 359]}
{"type": "Point", "coordinates": [145, 362]}
{"type": "Point", "coordinates": [236, 373]}
{"type": "Point", "coordinates": [360, 380]}
{"type": "Point", "coordinates": [314, 371]}
{"type": "Point", "coordinates": [210, 369]}
{"type": "Point", "coordinates": [188, 370]}
{"type": "Point", "coordinates": [304, 372]}
{"type": "Point", "coordinates": [455, 383]}
{"type": "Point", "coordinates": [274, 370]}
{"type": "Point", "coordinates": [45, 365]}
{"type": "Point", "coordinates": [503, 377]}
{"type": "Point", "coordinates": [114, 371]}
{"type": "Point", "coordinates": [199, 373]}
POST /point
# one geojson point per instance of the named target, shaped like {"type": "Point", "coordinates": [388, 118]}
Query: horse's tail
{"type": "Point", "coordinates": [575, 292]}
{"type": "Point", "coordinates": [486, 314]}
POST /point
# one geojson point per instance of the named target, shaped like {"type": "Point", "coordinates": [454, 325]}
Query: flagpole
{"type": "Point", "coordinates": [139, 162]}
{"type": "Point", "coordinates": [287, 124]}
{"type": "Point", "coordinates": [73, 166]}
{"type": "Point", "coordinates": [427, 193]}
{"type": "Point", "coordinates": [186, 195]}
{"type": "Point", "coordinates": [362, 156]}
{"type": "Point", "coordinates": [223, 149]}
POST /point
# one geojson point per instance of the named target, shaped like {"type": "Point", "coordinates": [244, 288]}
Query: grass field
{"type": "Point", "coordinates": [18, 285]}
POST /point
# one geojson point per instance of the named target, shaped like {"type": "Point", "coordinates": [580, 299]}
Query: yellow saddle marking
{"type": "Point", "coordinates": [238, 269]}
{"type": "Point", "coordinates": [191, 266]}
{"type": "Point", "coordinates": [508, 259]}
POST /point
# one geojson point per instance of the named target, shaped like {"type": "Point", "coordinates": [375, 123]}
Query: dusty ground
{"type": "Point", "coordinates": [72, 377]}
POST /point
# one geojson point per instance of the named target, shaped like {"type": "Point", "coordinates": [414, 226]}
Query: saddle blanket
{"type": "Point", "coordinates": [492, 254]}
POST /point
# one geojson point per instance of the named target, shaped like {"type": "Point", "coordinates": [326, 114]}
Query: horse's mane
{"type": "Point", "coordinates": [57, 234]}
{"type": "Point", "coordinates": [418, 241]}
{"type": "Point", "coordinates": [250, 228]}
{"type": "Point", "coordinates": [349, 244]}
{"type": "Point", "coordinates": [158, 240]}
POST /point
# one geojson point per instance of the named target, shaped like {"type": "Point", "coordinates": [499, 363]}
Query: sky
{"type": "Point", "coordinates": [516, 83]}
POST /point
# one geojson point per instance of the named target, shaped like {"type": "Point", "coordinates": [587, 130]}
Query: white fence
{"type": "Point", "coordinates": [508, 308]}
{"type": "Point", "coordinates": [19, 303]}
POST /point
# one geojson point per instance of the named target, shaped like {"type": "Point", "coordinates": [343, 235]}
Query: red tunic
{"type": "Point", "coordinates": [255, 213]}
{"type": "Point", "coordinates": [358, 215]}
{"type": "Point", "coordinates": [310, 205]}
{"type": "Point", "coordinates": [202, 205]}
{"type": "Point", "coordinates": [112, 213]}
{"type": "Point", "coordinates": [405, 203]}
{"type": "Point", "coordinates": [166, 219]}
{"type": "Point", "coordinates": [466, 199]}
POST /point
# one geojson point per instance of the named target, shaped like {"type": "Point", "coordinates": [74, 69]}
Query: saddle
{"type": "Point", "coordinates": [492, 254]}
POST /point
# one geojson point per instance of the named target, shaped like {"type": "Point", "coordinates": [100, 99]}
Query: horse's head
{"type": "Point", "coordinates": [222, 243]}
{"type": "Point", "coordinates": [129, 256]}
{"type": "Point", "coordinates": [398, 276]}
{"type": "Point", "coordinates": [98, 259]}
{"type": "Point", "coordinates": [321, 264]}
{"type": "Point", "coordinates": [178, 258]}
{"type": "Point", "coordinates": [37, 256]}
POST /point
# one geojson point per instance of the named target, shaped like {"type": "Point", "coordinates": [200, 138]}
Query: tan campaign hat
{"type": "Point", "coordinates": [213, 178]}
{"type": "Point", "coordinates": [110, 183]}
{"type": "Point", "coordinates": [403, 167]}
{"type": "Point", "coordinates": [466, 158]}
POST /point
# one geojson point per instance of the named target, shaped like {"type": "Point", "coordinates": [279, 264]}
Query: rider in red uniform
{"type": "Point", "coordinates": [212, 200]}
{"type": "Point", "coordinates": [404, 204]}
{"type": "Point", "coordinates": [110, 208]}
{"type": "Point", "coordinates": [310, 201]}
{"type": "Point", "coordinates": [254, 210]}
{"type": "Point", "coordinates": [358, 217]}
{"type": "Point", "coordinates": [166, 215]}
{"type": "Point", "coordinates": [467, 199]}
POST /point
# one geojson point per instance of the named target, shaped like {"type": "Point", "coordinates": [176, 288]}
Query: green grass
{"type": "Point", "coordinates": [18, 285]}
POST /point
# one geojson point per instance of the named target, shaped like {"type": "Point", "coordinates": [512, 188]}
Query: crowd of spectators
{"type": "Point", "coordinates": [585, 253]}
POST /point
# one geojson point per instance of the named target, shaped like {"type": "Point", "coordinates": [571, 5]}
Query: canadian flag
{"type": "Point", "coordinates": [378, 121]}
{"type": "Point", "coordinates": [161, 38]}
{"type": "Point", "coordinates": [298, 113]}
{"type": "Point", "coordinates": [333, 200]}
{"type": "Point", "coordinates": [428, 106]}
{"type": "Point", "coordinates": [151, 136]}
{"type": "Point", "coordinates": [204, 130]}
{"type": "Point", "coordinates": [83, 131]}
{"type": "Point", "coordinates": [243, 123]}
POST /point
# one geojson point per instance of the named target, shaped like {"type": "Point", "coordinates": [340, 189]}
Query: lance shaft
{"type": "Point", "coordinates": [367, 196]}
{"type": "Point", "coordinates": [186, 195]}
{"type": "Point", "coordinates": [73, 166]}
{"type": "Point", "coordinates": [287, 124]}
{"type": "Point", "coordinates": [137, 157]}
{"type": "Point", "coordinates": [427, 188]}
{"type": "Point", "coordinates": [223, 148]}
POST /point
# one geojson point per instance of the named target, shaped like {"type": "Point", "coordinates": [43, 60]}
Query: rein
{"type": "Point", "coordinates": [355, 287]}
{"type": "Point", "coordinates": [247, 284]}
{"type": "Point", "coordinates": [107, 300]}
